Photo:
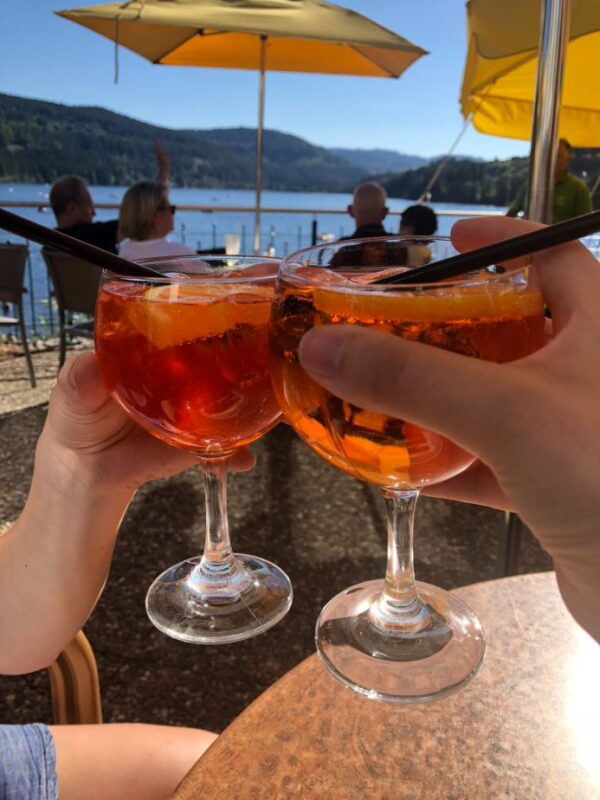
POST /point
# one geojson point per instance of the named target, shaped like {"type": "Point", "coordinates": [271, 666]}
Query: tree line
{"type": "Point", "coordinates": [40, 141]}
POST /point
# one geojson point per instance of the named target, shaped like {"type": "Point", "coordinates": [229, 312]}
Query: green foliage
{"type": "Point", "coordinates": [40, 141]}
{"type": "Point", "coordinates": [493, 183]}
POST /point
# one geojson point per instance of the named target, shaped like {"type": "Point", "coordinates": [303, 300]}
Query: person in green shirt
{"type": "Point", "coordinates": [571, 195]}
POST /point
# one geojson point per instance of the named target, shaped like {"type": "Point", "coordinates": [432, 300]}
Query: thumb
{"type": "Point", "coordinates": [454, 395]}
{"type": "Point", "coordinates": [80, 387]}
{"type": "Point", "coordinates": [82, 415]}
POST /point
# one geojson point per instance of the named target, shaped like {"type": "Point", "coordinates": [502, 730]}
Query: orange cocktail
{"type": "Point", "coordinates": [186, 355]}
{"type": "Point", "coordinates": [497, 325]}
{"type": "Point", "coordinates": [394, 639]}
{"type": "Point", "coordinates": [189, 361]}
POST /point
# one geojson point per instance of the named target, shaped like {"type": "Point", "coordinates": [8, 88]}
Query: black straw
{"type": "Point", "coordinates": [73, 247]}
{"type": "Point", "coordinates": [541, 239]}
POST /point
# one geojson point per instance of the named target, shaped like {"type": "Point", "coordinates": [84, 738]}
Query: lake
{"type": "Point", "coordinates": [286, 231]}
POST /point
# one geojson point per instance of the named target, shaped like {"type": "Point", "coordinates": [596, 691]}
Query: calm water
{"type": "Point", "coordinates": [205, 230]}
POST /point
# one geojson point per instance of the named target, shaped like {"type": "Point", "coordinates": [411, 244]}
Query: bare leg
{"type": "Point", "coordinates": [125, 761]}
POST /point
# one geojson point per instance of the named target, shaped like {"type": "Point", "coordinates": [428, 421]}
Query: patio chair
{"type": "Point", "coordinates": [74, 685]}
{"type": "Point", "coordinates": [75, 285]}
{"type": "Point", "coordinates": [13, 259]}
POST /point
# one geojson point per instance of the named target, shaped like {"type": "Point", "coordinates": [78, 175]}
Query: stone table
{"type": "Point", "coordinates": [527, 726]}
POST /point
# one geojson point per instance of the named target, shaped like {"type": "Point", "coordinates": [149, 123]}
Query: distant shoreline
{"type": "Point", "coordinates": [108, 196]}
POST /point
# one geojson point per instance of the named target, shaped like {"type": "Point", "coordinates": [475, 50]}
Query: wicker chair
{"type": "Point", "coordinates": [13, 259]}
{"type": "Point", "coordinates": [75, 285]}
{"type": "Point", "coordinates": [74, 684]}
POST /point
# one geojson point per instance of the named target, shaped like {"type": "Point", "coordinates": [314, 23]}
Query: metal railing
{"type": "Point", "coordinates": [39, 313]}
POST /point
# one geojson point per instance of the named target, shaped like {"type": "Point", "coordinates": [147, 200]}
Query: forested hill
{"type": "Point", "coordinates": [40, 141]}
{"type": "Point", "coordinates": [481, 182]}
{"type": "Point", "coordinates": [378, 160]}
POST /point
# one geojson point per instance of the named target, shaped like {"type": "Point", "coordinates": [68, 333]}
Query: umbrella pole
{"type": "Point", "coordinates": [259, 144]}
{"type": "Point", "coordinates": [554, 35]}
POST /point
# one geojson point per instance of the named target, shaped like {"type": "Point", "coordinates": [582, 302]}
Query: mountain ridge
{"type": "Point", "coordinates": [40, 140]}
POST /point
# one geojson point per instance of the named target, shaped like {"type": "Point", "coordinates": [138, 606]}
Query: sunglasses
{"type": "Point", "coordinates": [171, 208]}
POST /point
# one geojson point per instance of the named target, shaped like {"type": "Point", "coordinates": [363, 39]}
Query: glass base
{"type": "Point", "coordinates": [188, 605]}
{"type": "Point", "coordinates": [392, 665]}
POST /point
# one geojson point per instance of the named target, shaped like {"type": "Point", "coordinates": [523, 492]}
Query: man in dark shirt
{"type": "Point", "coordinates": [368, 209]}
{"type": "Point", "coordinates": [74, 211]}
{"type": "Point", "coordinates": [74, 208]}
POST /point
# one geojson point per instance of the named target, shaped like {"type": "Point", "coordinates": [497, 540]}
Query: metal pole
{"type": "Point", "coordinates": [31, 291]}
{"type": "Point", "coordinates": [313, 232]}
{"type": "Point", "coordinates": [425, 195]}
{"type": "Point", "coordinates": [259, 143]}
{"type": "Point", "coordinates": [554, 35]}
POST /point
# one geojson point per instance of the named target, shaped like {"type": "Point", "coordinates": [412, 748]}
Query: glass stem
{"type": "Point", "coordinates": [399, 608]}
{"type": "Point", "coordinates": [218, 569]}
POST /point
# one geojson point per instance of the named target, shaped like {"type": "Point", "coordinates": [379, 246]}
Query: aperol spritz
{"type": "Point", "coordinates": [395, 639]}
{"type": "Point", "coordinates": [187, 357]}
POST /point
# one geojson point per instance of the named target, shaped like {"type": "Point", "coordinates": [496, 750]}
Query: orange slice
{"type": "Point", "coordinates": [184, 312]}
{"type": "Point", "coordinates": [437, 306]}
{"type": "Point", "coordinates": [364, 454]}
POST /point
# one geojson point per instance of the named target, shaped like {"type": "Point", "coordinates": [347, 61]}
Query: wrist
{"type": "Point", "coordinates": [82, 476]}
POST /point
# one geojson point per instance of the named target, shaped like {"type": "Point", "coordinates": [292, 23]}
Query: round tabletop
{"type": "Point", "coordinates": [527, 726]}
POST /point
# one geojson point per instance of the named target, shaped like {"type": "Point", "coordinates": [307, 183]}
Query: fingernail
{"type": "Point", "coordinates": [321, 351]}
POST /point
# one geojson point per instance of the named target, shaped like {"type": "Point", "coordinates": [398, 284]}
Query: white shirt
{"type": "Point", "coordinates": [153, 248]}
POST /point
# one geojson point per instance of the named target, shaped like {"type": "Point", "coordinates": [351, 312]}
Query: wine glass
{"type": "Point", "coordinates": [394, 639]}
{"type": "Point", "coordinates": [186, 355]}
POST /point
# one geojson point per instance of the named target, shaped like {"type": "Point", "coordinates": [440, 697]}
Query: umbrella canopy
{"type": "Point", "coordinates": [500, 72]}
{"type": "Point", "coordinates": [302, 35]}
{"type": "Point", "coordinates": [279, 35]}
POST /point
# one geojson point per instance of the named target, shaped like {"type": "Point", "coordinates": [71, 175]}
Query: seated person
{"type": "Point", "coordinates": [418, 220]}
{"type": "Point", "coordinates": [145, 220]}
{"type": "Point", "coordinates": [368, 209]}
{"type": "Point", "coordinates": [54, 561]}
{"type": "Point", "coordinates": [74, 208]}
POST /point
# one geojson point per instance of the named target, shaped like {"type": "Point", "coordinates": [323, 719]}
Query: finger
{"type": "Point", "coordinates": [242, 461]}
{"type": "Point", "coordinates": [569, 274]}
{"type": "Point", "coordinates": [468, 234]}
{"type": "Point", "coordinates": [477, 485]}
{"type": "Point", "coordinates": [80, 384]}
{"type": "Point", "coordinates": [406, 380]}
{"type": "Point", "coordinates": [81, 413]}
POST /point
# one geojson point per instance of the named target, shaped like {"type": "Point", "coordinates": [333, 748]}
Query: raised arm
{"type": "Point", "coordinates": [90, 459]}
{"type": "Point", "coordinates": [162, 163]}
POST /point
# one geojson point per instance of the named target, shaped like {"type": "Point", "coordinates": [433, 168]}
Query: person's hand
{"type": "Point", "coordinates": [533, 423]}
{"type": "Point", "coordinates": [90, 435]}
{"type": "Point", "coordinates": [162, 162]}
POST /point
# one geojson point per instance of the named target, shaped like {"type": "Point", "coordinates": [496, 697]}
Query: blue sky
{"type": "Point", "coordinates": [46, 57]}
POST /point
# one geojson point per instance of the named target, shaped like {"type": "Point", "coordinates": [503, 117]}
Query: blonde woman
{"type": "Point", "coordinates": [145, 221]}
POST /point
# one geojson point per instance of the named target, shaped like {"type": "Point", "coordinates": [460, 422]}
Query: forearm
{"type": "Point", "coordinates": [54, 561]}
{"type": "Point", "coordinates": [163, 174]}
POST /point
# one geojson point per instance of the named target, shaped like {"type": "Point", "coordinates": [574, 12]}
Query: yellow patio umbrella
{"type": "Point", "coordinates": [500, 72]}
{"type": "Point", "coordinates": [280, 35]}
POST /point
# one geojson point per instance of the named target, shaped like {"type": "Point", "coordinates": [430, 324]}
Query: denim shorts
{"type": "Point", "coordinates": [27, 763]}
